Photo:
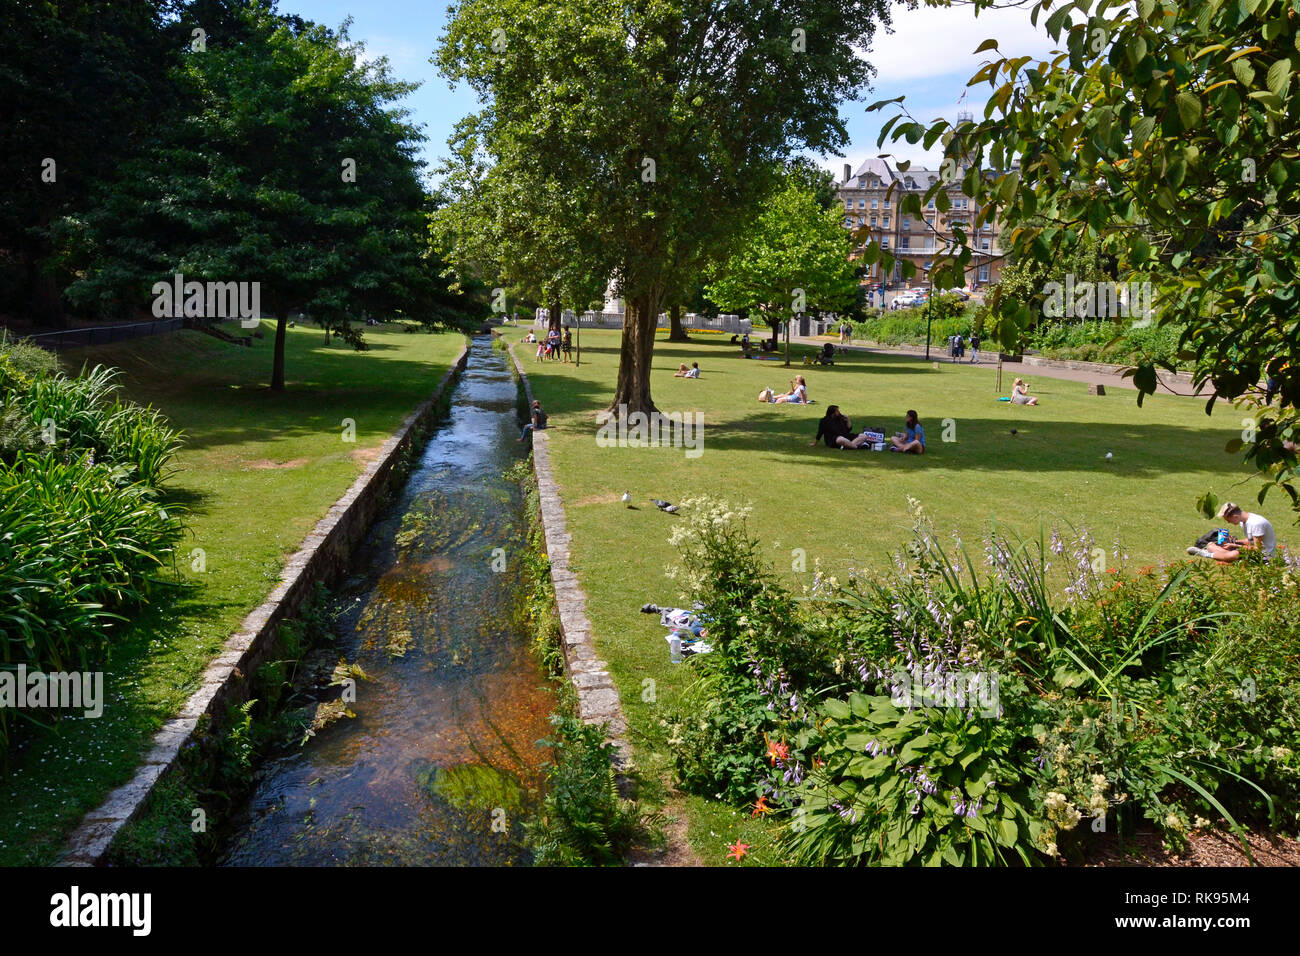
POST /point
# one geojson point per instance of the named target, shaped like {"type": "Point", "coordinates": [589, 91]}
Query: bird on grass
{"type": "Point", "coordinates": [627, 498]}
{"type": "Point", "coordinates": [1013, 431]}
{"type": "Point", "coordinates": [664, 505]}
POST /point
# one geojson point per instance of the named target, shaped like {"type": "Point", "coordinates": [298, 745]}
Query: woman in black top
{"type": "Point", "coordinates": [834, 428]}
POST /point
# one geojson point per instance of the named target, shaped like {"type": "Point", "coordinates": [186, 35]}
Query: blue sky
{"type": "Point", "coordinates": [927, 58]}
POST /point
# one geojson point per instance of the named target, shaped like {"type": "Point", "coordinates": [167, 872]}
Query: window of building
{"type": "Point", "coordinates": [984, 273]}
{"type": "Point", "coordinates": [873, 222]}
{"type": "Point", "coordinates": [886, 222]}
{"type": "Point", "coordinates": [862, 204]}
{"type": "Point", "coordinates": [984, 244]}
{"type": "Point", "coordinates": [906, 223]}
{"type": "Point", "coordinates": [874, 202]}
{"type": "Point", "coordinates": [905, 242]}
{"type": "Point", "coordinates": [886, 203]}
{"type": "Point", "coordinates": [848, 204]}
{"type": "Point", "coordinates": [930, 204]}
{"type": "Point", "coordinates": [884, 243]}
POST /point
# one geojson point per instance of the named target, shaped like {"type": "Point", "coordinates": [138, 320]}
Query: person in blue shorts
{"type": "Point", "coordinates": [911, 441]}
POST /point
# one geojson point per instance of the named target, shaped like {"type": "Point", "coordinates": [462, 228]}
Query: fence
{"type": "Point", "coordinates": [733, 324]}
{"type": "Point", "coordinates": [103, 334]}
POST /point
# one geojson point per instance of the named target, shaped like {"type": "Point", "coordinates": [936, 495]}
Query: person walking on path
{"type": "Point", "coordinates": [974, 348]}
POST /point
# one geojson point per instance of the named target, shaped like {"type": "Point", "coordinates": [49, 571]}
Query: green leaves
{"type": "Point", "coordinates": [1189, 109]}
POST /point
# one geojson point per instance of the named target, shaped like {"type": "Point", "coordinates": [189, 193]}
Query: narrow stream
{"type": "Point", "coordinates": [440, 764]}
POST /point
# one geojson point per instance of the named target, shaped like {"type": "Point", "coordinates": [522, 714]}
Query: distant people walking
{"type": "Point", "coordinates": [974, 348]}
{"type": "Point", "coordinates": [845, 330]}
{"type": "Point", "coordinates": [1020, 394]}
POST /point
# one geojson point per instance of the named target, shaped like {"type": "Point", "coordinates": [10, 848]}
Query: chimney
{"type": "Point", "coordinates": [848, 172]}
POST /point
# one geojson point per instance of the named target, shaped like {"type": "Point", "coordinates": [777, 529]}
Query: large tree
{"type": "Point", "coordinates": [81, 86]}
{"type": "Point", "coordinates": [644, 133]}
{"type": "Point", "coordinates": [290, 168]}
{"type": "Point", "coordinates": [793, 259]}
{"type": "Point", "coordinates": [1167, 133]}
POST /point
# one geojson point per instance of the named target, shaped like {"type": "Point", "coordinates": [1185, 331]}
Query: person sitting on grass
{"type": "Point", "coordinates": [912, 440]}
{"type": "Point", "coordinates": [538, 421]}
{"type": "Point", "coordinates": [1020, 394]}
{"type": "Point", "coordinates": [798, 394]}
{"type": "Point", "coordinates": [684, 372]}
{"type": "Point", "coordinates": [1259, 537]}
{"type": "Point", "coordinates": [835, 428]}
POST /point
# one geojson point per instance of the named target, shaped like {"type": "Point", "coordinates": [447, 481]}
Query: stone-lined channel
{"type": "Point", "coordinates": [440, 765]}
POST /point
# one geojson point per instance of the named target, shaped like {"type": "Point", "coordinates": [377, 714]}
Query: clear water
{"type": "Point", "coordinates": [441, 763]}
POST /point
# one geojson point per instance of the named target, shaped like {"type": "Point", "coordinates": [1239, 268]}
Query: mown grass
{"type": "Point", "coordinates": [257, 471]}
{"type": "Point", "coordinates": [849, 509]}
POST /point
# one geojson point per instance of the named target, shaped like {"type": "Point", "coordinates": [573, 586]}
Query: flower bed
{"type": "Point", "coordinates": [949, 712]}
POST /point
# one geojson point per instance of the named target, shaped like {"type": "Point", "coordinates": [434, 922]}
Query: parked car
{"type": "Point", "coordinates": [909, 299]}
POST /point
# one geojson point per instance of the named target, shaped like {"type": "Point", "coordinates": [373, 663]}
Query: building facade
{"type": "Point", "coordinates": [871, 197]}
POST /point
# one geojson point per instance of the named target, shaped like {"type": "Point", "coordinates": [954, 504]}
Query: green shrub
{"type": "Point", "coordinates": [583, 820]}
{"type": "Point", "coordinates": [948, 713]}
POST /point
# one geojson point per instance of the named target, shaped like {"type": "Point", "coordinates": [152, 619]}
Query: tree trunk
{"type": "Point", "coordinates": [633, 389]}
{"type": "Point", "coordinates": [277, 363]}
{"type": "Point", "coordinates": [553, 320]}
{"type": "Point", "coordinates": [675, 331]}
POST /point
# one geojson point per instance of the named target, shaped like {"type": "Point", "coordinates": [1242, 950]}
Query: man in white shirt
{"type": "Point", "coordinates": [1259, 535]}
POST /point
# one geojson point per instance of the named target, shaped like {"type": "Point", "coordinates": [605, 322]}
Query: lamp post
{"type": "Point", "coordinates": [929, 305]}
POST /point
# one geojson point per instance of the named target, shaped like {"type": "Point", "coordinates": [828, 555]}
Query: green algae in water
{"type": "Point", "coordinates": [474, 786]}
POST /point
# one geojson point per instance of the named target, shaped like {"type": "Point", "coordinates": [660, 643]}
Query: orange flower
{"type": "Point", "coordinates": [738, 850]}
{"type": "Point", "coordinates": [776, 750]}
{"type": "Point", "coordinates": [761, 807]}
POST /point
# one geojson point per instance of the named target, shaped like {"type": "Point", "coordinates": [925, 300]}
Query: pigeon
{"type": "Point", "coordinates": [1013, 431]}
{"type": "Point", "coordinates": [671, 509]}
{"type": "Point", "coordinates": [627, 498]}
{"type": "Point", "coordinates": [660, 504]}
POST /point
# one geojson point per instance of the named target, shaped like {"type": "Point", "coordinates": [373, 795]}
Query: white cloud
{"type": "Point", "coordinates": [931, 42]}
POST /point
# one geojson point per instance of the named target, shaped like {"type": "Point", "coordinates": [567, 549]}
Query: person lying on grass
{"type": "Point", "coordinates": [1259, 537]}
{"type": "Point", "coordinates": [1020, 394]}
{"type": "Point", "coordinates": [798, 394]}
{"type": "Point", "coordinates": [912, 439]}
{"type": "Point", "coordinates": [835, 428]}
{"type": "Point", "coordinates": [684, 372]}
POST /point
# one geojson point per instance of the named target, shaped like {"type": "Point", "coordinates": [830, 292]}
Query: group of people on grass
{"type": "Point", "coordinates": [837, 431]}
{"type": "Point", "coordinates": [555, 345]}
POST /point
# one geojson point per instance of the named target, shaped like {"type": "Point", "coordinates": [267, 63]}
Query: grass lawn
{"type": "Point", "coordinates": [849, 509]}
{"type": "Point", "coordinates": [257, 472]}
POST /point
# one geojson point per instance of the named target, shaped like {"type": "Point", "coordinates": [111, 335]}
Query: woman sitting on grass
{"type": "Point", "coordinates": [798, 394]}
{"type": "Point", "coordinates": [911, 441]}
{"type": "Point", "coordinates": [1020, 394]}
{"type": "Point", "coordinates": [835, 428]}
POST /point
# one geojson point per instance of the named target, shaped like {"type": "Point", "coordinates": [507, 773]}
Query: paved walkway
{"type": "Point", "coordinates": [1084, 372]}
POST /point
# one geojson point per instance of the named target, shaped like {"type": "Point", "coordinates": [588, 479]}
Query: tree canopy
{"type": "Point", "coordinates": [640, 137]}
{"type": "Point", "coordinates": [794, 258]}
